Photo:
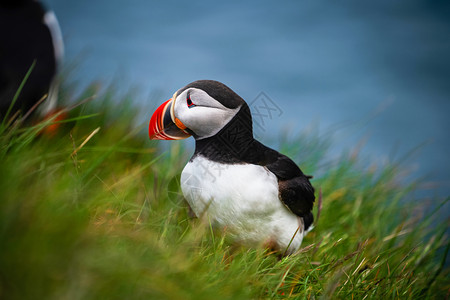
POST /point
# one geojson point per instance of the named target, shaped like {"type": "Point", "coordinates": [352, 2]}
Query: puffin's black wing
{"type": "Point", "coordinates": [295, 190]}
{"type": "Point", "coordinates": [24, 38]}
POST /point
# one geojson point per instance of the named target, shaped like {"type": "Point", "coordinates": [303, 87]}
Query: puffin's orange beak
{"type": "Point", "coordinates": [165, 126]}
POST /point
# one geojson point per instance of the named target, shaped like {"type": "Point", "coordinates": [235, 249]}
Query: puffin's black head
{"type": "Point", "coordinates": [14, 3]}
{"type": "Point", "coordinates": [218, 91]}
{"type": "Point", "coordinates": [201, 108]}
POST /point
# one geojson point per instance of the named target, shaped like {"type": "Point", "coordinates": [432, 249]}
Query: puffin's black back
{"type": "Point", "coordinates": [24, 38]}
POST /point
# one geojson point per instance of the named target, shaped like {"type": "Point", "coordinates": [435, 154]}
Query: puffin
{"type": "Point", "coordinates": [29, 34]}
{"type": "Point", "coordinates": [256, 195]}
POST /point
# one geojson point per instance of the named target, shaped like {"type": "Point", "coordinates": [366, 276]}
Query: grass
{"type": "Point", "coordinates": [96, 212]}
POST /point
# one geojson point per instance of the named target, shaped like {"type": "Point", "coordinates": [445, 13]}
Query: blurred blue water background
{"type": "Point", "coordinates": [377, 71]}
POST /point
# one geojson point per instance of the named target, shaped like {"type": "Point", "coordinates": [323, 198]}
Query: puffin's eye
{"type": "Point", "coordinates": [189, 102]}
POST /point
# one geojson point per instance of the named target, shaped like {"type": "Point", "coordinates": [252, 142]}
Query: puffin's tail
{"type": "Point", "coordinates": [308, 221]}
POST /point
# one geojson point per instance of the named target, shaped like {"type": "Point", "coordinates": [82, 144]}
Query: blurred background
{"type": "Point", "coordinates": [373, 73]}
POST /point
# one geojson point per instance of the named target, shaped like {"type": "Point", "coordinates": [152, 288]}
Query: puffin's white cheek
{"type": "Point", "coordinates": [206, 121]}
{"type": "Point", "coordinates": [180, 107]}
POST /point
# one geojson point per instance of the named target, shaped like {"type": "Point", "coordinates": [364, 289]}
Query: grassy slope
{"type": "Point", "coordinates": [108, 222]}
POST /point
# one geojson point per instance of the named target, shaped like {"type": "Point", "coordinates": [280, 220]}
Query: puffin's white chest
{"type": "Point", "coordinates": [243, 198]}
